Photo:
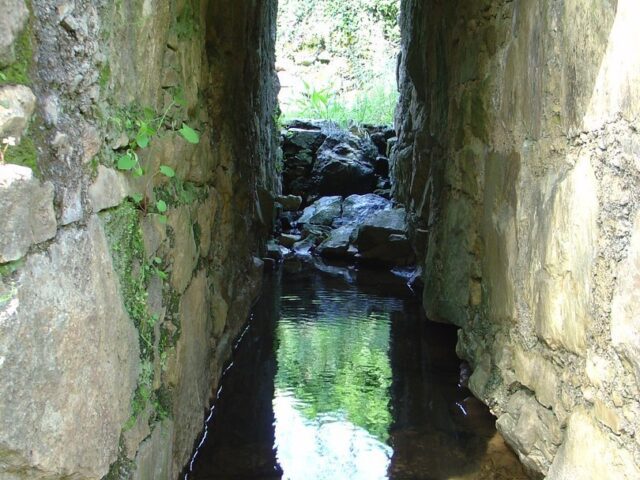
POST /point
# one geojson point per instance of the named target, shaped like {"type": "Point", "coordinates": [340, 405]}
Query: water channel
{"type": "Point", "coordinates": [342, 377]}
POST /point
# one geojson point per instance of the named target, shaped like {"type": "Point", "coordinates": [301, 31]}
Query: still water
{"type": "Point", "coordinates": [343, 378]}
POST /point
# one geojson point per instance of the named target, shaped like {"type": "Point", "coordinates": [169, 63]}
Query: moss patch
{"type": "Point", "coordinates": [124, 234]}
{"type": "Point", "coordinates": [179, 192]}
{"type": "Point", "coordinates": [18, 71]}
{"type": "Point", "coordinates": [24, 154]}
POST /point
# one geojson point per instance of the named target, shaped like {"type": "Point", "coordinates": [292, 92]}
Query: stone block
{"type": "Point", "coordinates": [625, 307]}
{"type": "Point", "coordinates": [17, 103]}
{"type": "Point", "coordinates": [62, 405]}
{"type": "Point", "coordinates": [184, 253]}
{"type": "Point", "coordinates": [568, 249]}
{"type": "Point", "coordinates": [12, 21]}
{"type": "Point", "coordinates": [108, 190]}
{"type": "Point", "coordinates": [538, 374]}
{"type": "Point", "coordinates": [587, 453]}
{"type": "Point", "coordinates": [26, 211]}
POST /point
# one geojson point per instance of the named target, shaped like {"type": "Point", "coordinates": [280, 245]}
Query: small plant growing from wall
{"type": "Point", "coordinates": [147, 126]}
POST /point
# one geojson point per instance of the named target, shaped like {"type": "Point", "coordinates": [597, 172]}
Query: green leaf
{"type": "Point", "coordinates": [3, 77]}
{"type": "Point", "coordinates": [189, 134]}
{"type": "Point", "coordinates": [137, 197]}
{"type": "Point", "coordinates": [178, 97]}
{"type": "Point", "coordinates": [161, 274]}
{"type": "Point", "coordinates": [162, 218]}
{"type": "Point", "coordinates": [157, 260]}
{"type": "Point", "coordinates": [161, 206]}
{"type": "Point", "coordinates": [167, 171]}
{"type": "Point", "coordinates": [142, 139]}
{"type": "Point", "coordinates": [138, 172]}
{"type": "Point", "coordinates": [127, 161]}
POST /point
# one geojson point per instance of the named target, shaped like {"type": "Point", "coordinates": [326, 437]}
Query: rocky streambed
{"type": "Point", "coordinates": [336, 203]}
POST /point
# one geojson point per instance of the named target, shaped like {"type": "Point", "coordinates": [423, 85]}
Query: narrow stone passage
{"type": "Point", "coordinates": [144, 195]}
{"type": "Point", "coordinates": [347, 380]}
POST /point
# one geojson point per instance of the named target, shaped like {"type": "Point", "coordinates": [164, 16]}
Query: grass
{"type": "Point", "coordinates": [374, 106]}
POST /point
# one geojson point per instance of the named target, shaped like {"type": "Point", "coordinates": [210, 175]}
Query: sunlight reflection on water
{"type": "Point", "coordinates": [327, 447]}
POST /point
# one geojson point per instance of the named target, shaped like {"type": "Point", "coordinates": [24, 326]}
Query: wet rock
{"type": "Point", "coordinates": [381, 166]}
{"type": "Point", "coordinates": [338, 242]}
{"type": "Point", "coordinates": [62, 405]}
{"type": "Point", "coordinates": [380, 141]}
{"type": "Point", "coordinates": [288, 240]}
{"type": "Point", "coordinates": [377, 228]}
{"type": "Point", "coordinates": [277, 252]}
{"type": "Point", "coordinates": [290, 203]}
{"type": "Point", "coordinates": [356, 208]}
{"type": "Point", "coordinates": [26, 211]}
{"type": "Point", "coordinates": [306, 246]}
{"type": "Point", "coordinates": [12, 21]}
{"type": "Point", "coordinates": [17, 104]}
{"type": "Point", "coordinates": [303, 139]}
{"type": "Point", "coordinates": [343, 167]}
{"type": "Point", "coordinates": [323, 211]}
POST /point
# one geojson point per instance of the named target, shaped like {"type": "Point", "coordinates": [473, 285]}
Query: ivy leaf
{"type": "Point", "coordinates": [167, 171]}
{"type": "Point", "coordinates": [137, 197]}
{"type": "Point", "coordinates": [161, 206]}
{"type": "Point", "coordinates": [189, 134]}
{"type": "Point", "coordinates": [126, 162]}
{"type": "Point", "coordinates": [138, 172]}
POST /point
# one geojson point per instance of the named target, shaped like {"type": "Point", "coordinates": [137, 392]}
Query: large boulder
{"type": "Point", "coordinates": [381, 238]}
{"type": "Point", "coordinates": [356, 208]}
{"type": "Point", "coordinates": [337, 245]}
{"type": "Point", "coordinates": [322, 212]}
{"type": "Point", "coordinates": [344, 166]}
{"type": "Point", "coordinates": [377, 228]}
{"type": "Point", "coordinates": [303, 139]}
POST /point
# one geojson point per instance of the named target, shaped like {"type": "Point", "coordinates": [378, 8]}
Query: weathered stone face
{"type": "Point", "coordinates": [74, 388]}
{"type": "Point", "coordinates": [106, 343]}
{"type": "Point", "coordinates": [517, 162]}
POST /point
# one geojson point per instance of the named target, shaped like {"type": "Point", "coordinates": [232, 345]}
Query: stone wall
{"type": "Point", "coordinates": [519, 160]}
{"type": "Point", "coordinates": [127, 251]}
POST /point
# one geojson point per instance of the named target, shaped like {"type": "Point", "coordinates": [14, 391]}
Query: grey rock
{"type": "Point", "coordinates": [304, 138]}
{"type": "Point", "coordinates": [290, 203]}
{"type": "Point", "coordinates": [62, 405]}
{"type": "Point", "coordinates": [26, 211]}
{"type": "Point", "coordinates": [108, 190]}
{"type": "Point", "coordinates": [337, 244]}
{"type": "Point", "coordinates": [356, 208]}
{"type": "Point", "coordinates": [323, 211]}
{"type": "Point", "coordinates": [304, 247]}
{"type": "Point", "coordinates": [377, 228]}
{"type": "Point", "coordinates": [342, 167]}
{"type": "Point", "coordinates": [153, 461]}
{"type": "Point", "coordinates": [12, 21]}
{"type": "Point", "coordinates": [17, 104]}
{"type": "Point", "coordinates": [287, 240]}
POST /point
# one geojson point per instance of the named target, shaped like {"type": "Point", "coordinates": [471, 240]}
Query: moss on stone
{"type": "Point", "coordinates": [122, 468]}
{"type": "Point", "coordinates": [179, 192]}
{"type": "Point", "coordinates": [18, 71]}
{"type": "Point", "coordinates": [24, 154]}
{"type": "Point", "coordinates": [122, 227]}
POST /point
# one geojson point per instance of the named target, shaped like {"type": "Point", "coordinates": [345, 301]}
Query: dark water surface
{"type": "Point", "coordinates": [347, 380]}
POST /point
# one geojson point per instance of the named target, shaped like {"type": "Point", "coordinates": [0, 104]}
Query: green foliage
{"type": "Point", "coordinates": [18, 71]}
{"type": "Point", "coordinates": [186, 25]}
{"type": "Point", "coordinates": [374, 106]}
{"type": "Point", "coordinates": [24, 154]}
{"type": "Point", "coordinates": [338, 366]}
{"type": "Point", "coordinates": [127, 250]}
{"type": "Point", "coordinates": [189, 134]}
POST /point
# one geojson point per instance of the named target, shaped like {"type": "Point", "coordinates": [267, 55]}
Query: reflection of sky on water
{"type": "Point", "coordinates": [327, 447]}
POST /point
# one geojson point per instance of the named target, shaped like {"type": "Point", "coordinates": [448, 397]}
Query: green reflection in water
{"type": "Point", "coordinates": [340, 366]}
